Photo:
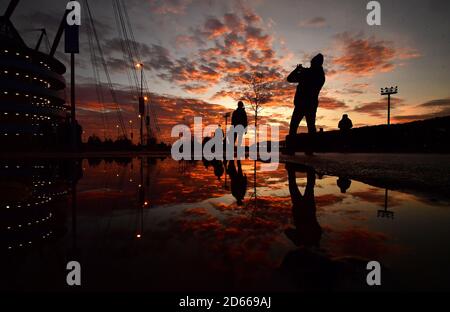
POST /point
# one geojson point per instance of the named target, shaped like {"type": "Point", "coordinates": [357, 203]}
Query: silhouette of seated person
{"type": "Point", "coordinates": [307, 231]}
{"type": "Point", "coordinates": [239, 117]}
{"type": "Point", "coordinates": [238, 181]}
{"type": "Point", "coordinates": [310, 82]}
{"type": "Point", "coordinates": [344, 184]}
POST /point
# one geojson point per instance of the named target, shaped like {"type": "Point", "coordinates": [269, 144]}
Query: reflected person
{"type": "Point", "coordinates": [238, 181]}
{"type": "Point", "coordinates": [307, 231]}
{"type": "Point", "coordinates": [344, 184]}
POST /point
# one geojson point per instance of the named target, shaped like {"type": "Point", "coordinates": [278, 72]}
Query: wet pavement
{"type": "Point", "coordinates": [154, 224]}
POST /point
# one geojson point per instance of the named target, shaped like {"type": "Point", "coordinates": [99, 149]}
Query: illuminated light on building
{"type": "Point", "coordinates": [31, 84]}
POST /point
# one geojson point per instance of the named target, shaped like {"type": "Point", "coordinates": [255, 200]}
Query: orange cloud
{"type": "Point", "coordinates": [368, 56]}
{"type": "Point", "coordinates": [364, 56]}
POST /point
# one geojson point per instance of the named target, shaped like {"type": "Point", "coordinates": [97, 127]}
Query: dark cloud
{"type": "Point", "coordinates": [377, 108]}
{"type": "Point", "coordinates": [353, 89]}
{"type": "Point", "coordinates": [439, 103]}
{"type": "Point", "coordinates": [213, 28]}
{"type": "Point", "coordinates": [169, 6]}
{"type": "Point", "coordinates": [314, 22]}
{"type": "Point", "coordinates": [153, 56]}
{"type": "Point", "coordinates": [435, 108]}
{"type": "Point", "coordinates": [331, 103]}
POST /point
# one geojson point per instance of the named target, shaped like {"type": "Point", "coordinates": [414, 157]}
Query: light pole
{"type": "Point", "coordinates": [131, 130]}
{"type": "Point", "coordinates": [388, 92]}
{"type": "Point", "coordinates": [140, 67]}
{"type": "Point", "coordinates": [118, 134]}
{"type": "Point", "coordinates": [226, 116]}
{"type": "Point", "coordinates": [147, 120]}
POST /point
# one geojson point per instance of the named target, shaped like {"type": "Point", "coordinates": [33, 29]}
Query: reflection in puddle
{"type": "Point", "coordinates": [154, 224]}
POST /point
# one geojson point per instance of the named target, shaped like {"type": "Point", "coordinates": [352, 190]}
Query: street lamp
{"type": "Point", "coordinates": [117, 126]}
{"type": "Point", "coordinates": [388, 92]}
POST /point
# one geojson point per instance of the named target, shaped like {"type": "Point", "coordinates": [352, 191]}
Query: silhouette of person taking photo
{"type": "Point", "coordinates": [238, 181]}
{"type": "Point", "coordinates": [310, 82]}
{"type": "Point", "coordinates": [307, 231]}
{"type": "Point", "coordinates": [239, 118]}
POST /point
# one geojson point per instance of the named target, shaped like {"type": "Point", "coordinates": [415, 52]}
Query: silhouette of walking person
{"type": "Point", "coordinates": [239, 118]}
{"type": "Point", "coordinates": [310, 82]}
{"type": "Point", "coordinates": [238, 181]}
{"type": "Point", "coordinates": [307, 231]}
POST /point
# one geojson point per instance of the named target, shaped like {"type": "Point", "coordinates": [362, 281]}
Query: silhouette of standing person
{"type": "Point", "coordinates": [218, 168]}
{"type": "Point", "coordinates": [307, 231]}
{"type": "Point", "coordinates": [344, 184]}
{"type": "Point", "coordinates": [345, 124]}
{"type": "Point", "coordinates": [310, 82]}
{"type": "Point", "coordinates": [238, 181]}
{"type": "Point", "coordinates": [239, 117]}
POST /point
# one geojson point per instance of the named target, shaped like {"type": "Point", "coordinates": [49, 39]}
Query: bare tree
{"type": "Point", "coordinates": [256, 91]}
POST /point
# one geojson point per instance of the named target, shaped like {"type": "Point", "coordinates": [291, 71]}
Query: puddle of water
{"type": "Point", "coordinates": [152, 224]}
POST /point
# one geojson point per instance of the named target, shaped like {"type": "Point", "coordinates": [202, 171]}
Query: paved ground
{"type": "Point", "coordinates": [427, 174]}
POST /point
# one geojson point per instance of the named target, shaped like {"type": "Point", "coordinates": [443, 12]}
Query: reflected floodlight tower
{"type": "Point", "coordinates": [385, 213]}
{"type": "Point", "coordinates": [388, 92]}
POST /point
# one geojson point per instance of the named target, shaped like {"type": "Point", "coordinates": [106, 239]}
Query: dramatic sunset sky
{"type": "Point", "coordinates": [194, 52]}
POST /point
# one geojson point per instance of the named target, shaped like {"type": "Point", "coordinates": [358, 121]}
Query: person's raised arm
{"type": "Point", "coordinates": [295, 75]}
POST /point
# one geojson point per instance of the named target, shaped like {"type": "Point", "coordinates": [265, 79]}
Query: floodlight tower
{"type": "Point", "coordinates": [388, 92]}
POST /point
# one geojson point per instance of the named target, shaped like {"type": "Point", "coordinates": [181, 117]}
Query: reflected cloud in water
{"type": "Point", "coordinates": [156, 224]}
